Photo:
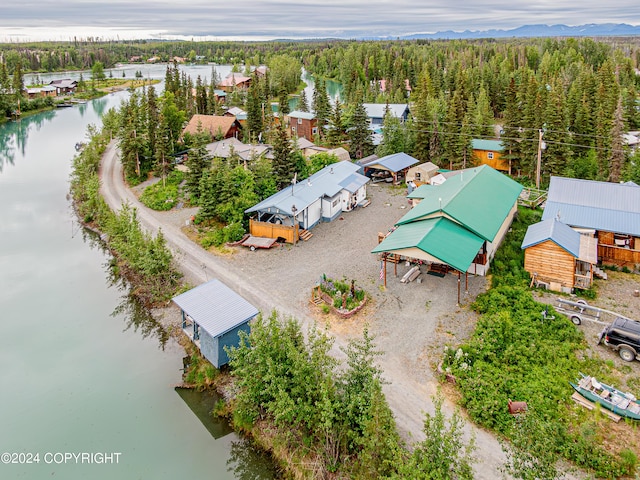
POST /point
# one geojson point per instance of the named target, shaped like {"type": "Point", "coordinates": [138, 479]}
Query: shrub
{"type": "Point", "coordinates": [160, 197]}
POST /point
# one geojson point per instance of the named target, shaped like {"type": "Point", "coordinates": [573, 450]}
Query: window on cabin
{"type": "Point", "coordinates": [490, 155]}
{"type": "Point", "coordinates": [293, 129]}
{"type": "Point", "coordinates": [299, 121]}
{"type": "Point", "coordinates": [314, 130]}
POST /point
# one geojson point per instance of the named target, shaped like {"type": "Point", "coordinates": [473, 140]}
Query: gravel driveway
{"type": "Point", "coordinates": [412, 322]}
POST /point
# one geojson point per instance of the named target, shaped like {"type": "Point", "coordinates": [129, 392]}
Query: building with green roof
{"type": "Point", "coordinates": [459, 223]}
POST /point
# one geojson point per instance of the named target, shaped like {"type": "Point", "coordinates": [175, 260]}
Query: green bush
{"type": "Point", "coordinates": [160, 197]}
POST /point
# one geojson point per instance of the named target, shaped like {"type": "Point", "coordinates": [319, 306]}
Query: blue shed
{"type": "Point", "coordinates": [212, 317]}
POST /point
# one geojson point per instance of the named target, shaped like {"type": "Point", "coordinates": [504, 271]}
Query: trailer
{"type": "Point", "coordinates": [258, 242]}
{"type": "Point", "coordinates": [580, 311]}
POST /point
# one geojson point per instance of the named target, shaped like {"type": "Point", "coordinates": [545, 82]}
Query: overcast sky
{"type": "Point", "coordinates": [268, 19]}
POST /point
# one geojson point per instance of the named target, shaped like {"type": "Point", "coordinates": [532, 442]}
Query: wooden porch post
{"type": "Point", "coordinates": [466, 282]}
{"type": "Point", "coordinates": [458, 287]}
{"type": "Point", "coordinates": [395, 268]}
{"type": "Point", "coordinates": [385, 270]}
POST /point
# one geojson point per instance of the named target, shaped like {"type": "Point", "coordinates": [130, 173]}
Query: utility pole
{"type": "Point", "coordinates": [539, 162]}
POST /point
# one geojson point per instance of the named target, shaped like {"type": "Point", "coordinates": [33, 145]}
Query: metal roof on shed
{"type": "Point", "coordinates": [488, 145]}
{"type": "Point", "coordinates": [562, 235]}
{"type": "Point", "coordinates": [215, 307]}
{"type": "Point", "coordinates": [394, 163]}
{"type": "Point", "coordinates": [611, 207]}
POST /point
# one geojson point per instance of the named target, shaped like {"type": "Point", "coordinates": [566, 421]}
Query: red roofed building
{"type": "Point", "coordinates": [217, 126]}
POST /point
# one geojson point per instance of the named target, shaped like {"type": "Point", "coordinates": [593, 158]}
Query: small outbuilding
{"type": "Point", "coordinates": [489, 152]}
{"type": "Point", "coordinates": [390, 167]}
{"type": "Point", "coordinates": [213, 316]}
{"type": "Point", "coordinates": [558, 257]}
{"type": "Point", "coordinates": [421, 174]}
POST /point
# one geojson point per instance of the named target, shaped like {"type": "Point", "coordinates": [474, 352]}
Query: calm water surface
{"type": "Point", "coordinates": [82, 369]}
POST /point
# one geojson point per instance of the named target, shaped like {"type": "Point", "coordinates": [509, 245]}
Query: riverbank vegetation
{"type": "Point", "coordinates": [143, 259]}
{"type": "Point", "coordinates": [325, 419]}
{"type": "Point", "coordinates": [517, 353]}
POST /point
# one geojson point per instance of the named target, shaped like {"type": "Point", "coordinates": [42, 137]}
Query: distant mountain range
{"type": "Point", "coordinates": [589, 30]}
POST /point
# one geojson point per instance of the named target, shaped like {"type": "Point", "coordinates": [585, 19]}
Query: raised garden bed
{"type": "Point", "coordinates": [341, 296]}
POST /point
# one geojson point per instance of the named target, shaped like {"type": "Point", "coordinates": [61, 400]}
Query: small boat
{"type": "Point", "coordinates": [623, 404]}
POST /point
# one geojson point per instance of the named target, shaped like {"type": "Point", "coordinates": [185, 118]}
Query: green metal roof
{"type": "Point", "coordinates": [422, 191]}
{"type": "Point", "coordinates": [439, 237]}
{"type": "Point", "coordinates": [488, 145]}
{"type": "Point", "coordinates": [479, 199]}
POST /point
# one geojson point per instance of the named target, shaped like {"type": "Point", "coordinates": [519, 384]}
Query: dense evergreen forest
{"type": "Point", "coordinates": [572, 98]}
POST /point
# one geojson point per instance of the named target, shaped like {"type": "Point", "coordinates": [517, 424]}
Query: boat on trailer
{"type": "Point", "coordinates": [624, 404]}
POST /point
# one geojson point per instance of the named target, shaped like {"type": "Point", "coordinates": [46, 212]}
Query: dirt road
{"type": "Point", "coordinates": [412, 322]}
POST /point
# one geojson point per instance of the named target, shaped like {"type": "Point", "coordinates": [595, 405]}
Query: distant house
{"type": "Point", "coordinates": [607, 211]}
{"type": "Point", "coordinates": [64, 86]}
{"type": "Point", "coordinates": [558, 257]}
{"type": "Point", "coordinates": [234, 81]}
{"type": "Point", "coordinates": [390, 167]}
{"type": "Point", "coordinates": [246, 152]}
{"type": "Point", "coordinates": [632, 140]}
{"type": "Point", "coordinates": [376, 111]}
{"type": "Point", "coordinates": [459, 223]}
{"type": "Point", "coordinates": [237, 112]}
{"type": "Point", "coordinates": [217, 126]}
{"type": "Point", "coordinates": [38, 92]}
{"type": "Point", "coordinates": [489, 152]}
{"type": "Point", "coordinates": [213, 316]}
{"type": "Point", "coordinates": [303, 125]}
{"type": "Point", "coordinates": [323, 196]}
{"type": "Point", "coordinates": [307, 147]}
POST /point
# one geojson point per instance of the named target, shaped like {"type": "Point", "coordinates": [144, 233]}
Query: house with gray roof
{"type": "Point", "coordinates": [376, 111]}
{"type": "Point", "coordinates": [246, 151]}
{"type": "Point", "coordinates": [607, 211]}
{"type": "Point", "coordinates": [322, 197]}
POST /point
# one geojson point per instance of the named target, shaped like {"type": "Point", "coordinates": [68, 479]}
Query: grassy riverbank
{"type": "Point", "coordinates": [144, 260]}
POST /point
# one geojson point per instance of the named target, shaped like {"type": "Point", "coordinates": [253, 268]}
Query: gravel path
{"type": "Point", "coordinates": [412, 322]}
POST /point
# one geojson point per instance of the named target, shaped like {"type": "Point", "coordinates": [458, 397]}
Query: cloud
{"type": "Point", "coordinates": [297, 19]}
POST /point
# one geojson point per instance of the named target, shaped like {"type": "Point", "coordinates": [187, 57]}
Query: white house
{"type": "Point", "coordinates": [323, 197]}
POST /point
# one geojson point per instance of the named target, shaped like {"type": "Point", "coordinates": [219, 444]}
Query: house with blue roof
{"type": "Point", "coordinates": [607, 211]}
{"type": "Point", "coordinates": [213, 316]}
{"type": "Point", "coordinates": [558, 257]}
{"type": "Point", "coordinates": [322, 197]}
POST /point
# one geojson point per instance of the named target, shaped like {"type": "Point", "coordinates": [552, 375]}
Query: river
{"type": "Point", "coordinates": [83, 369]}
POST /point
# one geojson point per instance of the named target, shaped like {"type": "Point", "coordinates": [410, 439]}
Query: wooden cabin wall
{"type": "Point", "coordinates": [551, 262]}
{"type": "Point", "coordinates": [605, 238]}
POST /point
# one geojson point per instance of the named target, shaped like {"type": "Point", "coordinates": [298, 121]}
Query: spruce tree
{"type": "Point", "coordinates": [616, 158]}
{"type": "Point", "coordinates": [283, 163]}
{"type": "Point", "coordinates": [198, 160]}
{"type": "Point", "coordinates": [336, 131]}
{"type": "Point", "coordinates": [303, 103]}
{"type": "Point", "coordinates": [360, 134]}
{"type": "Point", "coordinates": [321, 107]}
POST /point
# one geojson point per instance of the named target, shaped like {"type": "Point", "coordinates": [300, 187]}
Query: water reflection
{"type": "Point", "coordinates": [247, 463]}
{"type": "Point", "coordinates": [136, 316]}
{"type": "Point", "coordinates": [14, 135]}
